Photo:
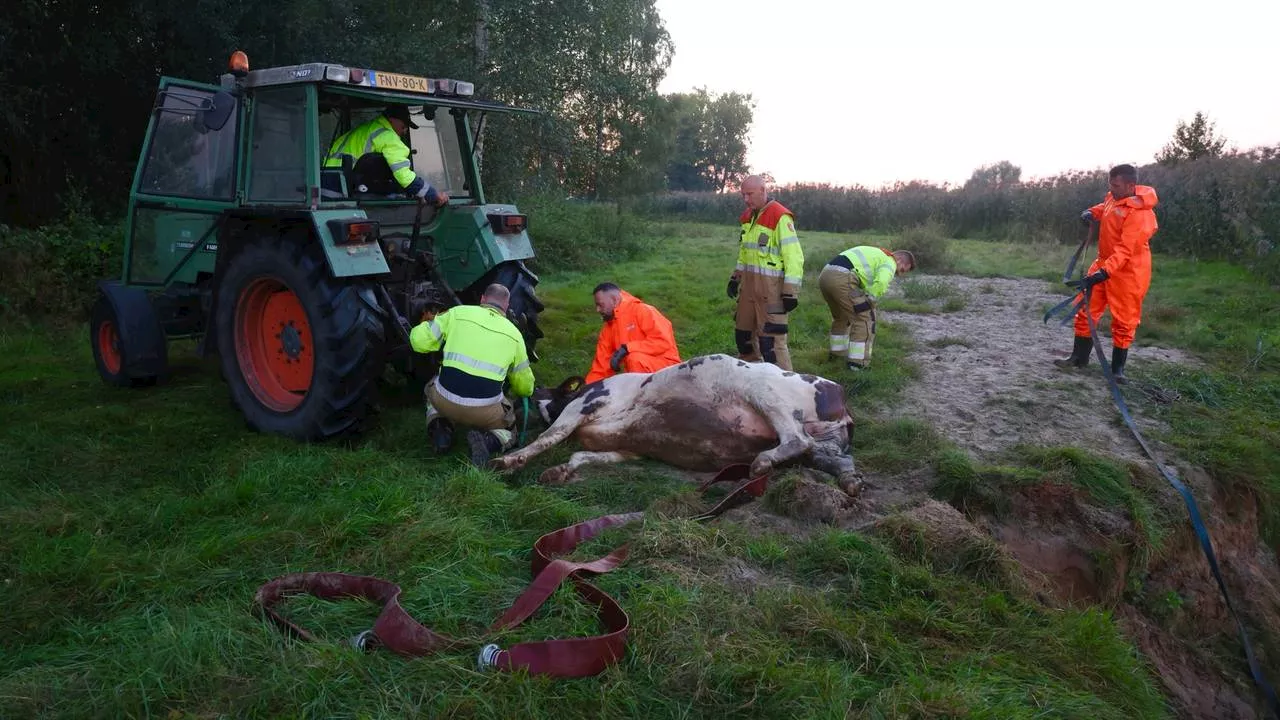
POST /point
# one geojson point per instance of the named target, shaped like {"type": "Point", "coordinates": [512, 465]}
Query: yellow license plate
{"type": "Point", "coordinates": [393, 81]}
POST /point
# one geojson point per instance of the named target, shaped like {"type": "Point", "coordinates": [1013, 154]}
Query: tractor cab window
{"type": "Point", "coordinates": [278, 168]}
{"type": "Point", "coordinates": [186, 158]}
{"type": "Point", "coordinates": [434, 148]}
{"type": "Point", "coordinates": [436, 151]}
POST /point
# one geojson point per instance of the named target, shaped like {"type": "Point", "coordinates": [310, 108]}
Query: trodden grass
{"type": "Point", "coordinates": [138, 524]}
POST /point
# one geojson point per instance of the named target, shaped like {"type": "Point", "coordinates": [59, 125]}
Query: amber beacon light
{"type": "Point", "coordinates": [239, 63]}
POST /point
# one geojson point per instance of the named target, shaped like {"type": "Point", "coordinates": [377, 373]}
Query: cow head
{"type": "Point", "coordinates": [551, 401]}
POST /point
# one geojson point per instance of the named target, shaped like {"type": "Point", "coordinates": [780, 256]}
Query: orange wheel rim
{"type": "Point", "coordinates": [109, 347]}
{"type": "Point", "coordinates": [274, 345]}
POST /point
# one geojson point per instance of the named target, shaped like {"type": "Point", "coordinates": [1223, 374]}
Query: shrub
{"type": "Point", "coordinates": [53, 272]}
{"type": "Point", "coordinates": [932, 249]}
{"type": "Point", "coordinates": [580, 235]}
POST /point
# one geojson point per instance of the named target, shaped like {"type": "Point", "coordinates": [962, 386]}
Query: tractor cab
{"type": "Point", "coordinates": [303, 274]}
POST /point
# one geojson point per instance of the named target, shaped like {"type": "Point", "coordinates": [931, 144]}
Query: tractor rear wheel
{"type": "Point", "coordinates": [524, 306]}
{"type": "Point", "coordinates": [301, 351]}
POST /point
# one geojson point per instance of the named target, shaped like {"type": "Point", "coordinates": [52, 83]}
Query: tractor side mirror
{"type": "Point", "coordinates": [221, 106]}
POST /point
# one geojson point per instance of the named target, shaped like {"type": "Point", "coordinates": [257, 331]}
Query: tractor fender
{"type": "Point", "coordinates": [142, 340]}
{"type": "Point", "coordinates": [347, 260]}
{"type": "Point", "coordinates": [249, 225]}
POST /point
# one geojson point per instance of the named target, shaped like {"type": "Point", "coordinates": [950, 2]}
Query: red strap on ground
{"type": "Point", "coordinates": [748, 488]}
{"type": "Point", "coordinates": [568, 657]}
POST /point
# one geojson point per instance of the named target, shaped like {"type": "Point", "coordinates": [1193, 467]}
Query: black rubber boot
{"type": "Point", "coordinates": [1118, 358]}
{"type": "Point", "coordinates": [1079, 354]}
{"type": "Point", "coordinates": [441, 432]}
{"type": "Point", "coordinates": [483, 445]}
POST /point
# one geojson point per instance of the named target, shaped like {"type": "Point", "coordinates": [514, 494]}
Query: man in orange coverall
{"type": "Point", "coordinates": [635, 336]}
{"type": "Point", "coordinates": [1121, 273]}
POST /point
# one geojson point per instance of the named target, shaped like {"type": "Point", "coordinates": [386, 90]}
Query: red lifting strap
{"type": "Point", "coordinates": [569, 657]}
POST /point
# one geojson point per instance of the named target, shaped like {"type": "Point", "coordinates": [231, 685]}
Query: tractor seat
{"type": "Point", "coordinates": [333, 183]}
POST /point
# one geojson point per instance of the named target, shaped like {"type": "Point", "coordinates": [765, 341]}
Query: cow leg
{"type": "Point", "coordinates": [841, 468]}
{"type": "Point", "coordinates": [792, 440]}
{"type": "Point", "coordinates": [562, 428]}
{"type": "Point", "coordinates": [562, 474]}
{"type": "Point", "coordinates": [834, 465]}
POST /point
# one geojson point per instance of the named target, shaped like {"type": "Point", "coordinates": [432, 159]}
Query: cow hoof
{"type": "Point", "coordinates": [851, 484]}
{"type": "Point", "coordinates": [760, 467]}
{"type": "Point", "coordinates": [558, 475]}
{"type": "Point", "coordinates": [505, 463]}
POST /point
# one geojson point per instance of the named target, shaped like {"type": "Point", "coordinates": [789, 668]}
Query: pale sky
{"type": "Point", "coordinates": [853, 92]}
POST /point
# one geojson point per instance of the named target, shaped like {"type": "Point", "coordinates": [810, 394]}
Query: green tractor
{"type": "Point", "coordinates": [299, 279]}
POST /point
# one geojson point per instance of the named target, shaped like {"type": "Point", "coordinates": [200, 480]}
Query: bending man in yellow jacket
{"type": "Point", "coordinates": [766, 281]}
{"type": "Point", "coordinates": [852, 283]}
{"type": "Point", "coordinates": [482, 350]}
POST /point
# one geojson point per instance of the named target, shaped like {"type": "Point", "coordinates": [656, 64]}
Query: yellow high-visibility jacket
{"type": "Point", "coordinates": [875, 267]}
{"type": "Point", "coordinates": [770, 246]}
{"type": "Point", "coordinates": [482, 349]}
{"type": "Point", "coordinates": [378, 136]}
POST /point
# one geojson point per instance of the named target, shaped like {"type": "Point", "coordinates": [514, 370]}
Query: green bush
{"type": "Point", "coordinates": [53, 272]}
{"type": "Point", "coordinates": [580, 235]}
{"type": "Point", "coordinates": [932, 249]}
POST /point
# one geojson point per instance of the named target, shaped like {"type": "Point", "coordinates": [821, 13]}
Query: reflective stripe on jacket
{"type": "Point", "coordinates": [874, 267]}
{"type": "Point", "coordinates": [482, 348]}
{"type": "Point", "coordinates": [769, 246]}
{"type": "Point", "coordinates": [378, 136]}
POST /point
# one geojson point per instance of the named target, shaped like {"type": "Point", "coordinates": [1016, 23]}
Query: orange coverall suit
{"type": "Point", "coordinates": [1124, 251]}
{"type": "Point", "coordinates": [650, 340]}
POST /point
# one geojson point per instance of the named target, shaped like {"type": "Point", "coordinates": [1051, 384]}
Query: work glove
{"type": "Point", "coordinates": [434, 197]}
{"type": "Point", "coordinates": [732, 290]}
{"type": "Point", "coordinates": [789, 303]}
{"type": "Point", "coordinates": [1089, 281]}
{"type": "Point", "coordinates": [615, 362]}
{"type": "Point", "coordinates": [1086, 217]}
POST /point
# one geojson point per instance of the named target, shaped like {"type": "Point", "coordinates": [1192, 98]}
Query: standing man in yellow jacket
{"type": "Point", "coordinates": [766, 281]}
{"type": "Point", "coordinates": [852, 283]}
{"type": "Point", "coordinates": [482, 350]}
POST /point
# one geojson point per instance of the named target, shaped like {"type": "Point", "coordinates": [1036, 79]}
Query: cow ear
{"type": "Point", "coordinates": [572, 384]}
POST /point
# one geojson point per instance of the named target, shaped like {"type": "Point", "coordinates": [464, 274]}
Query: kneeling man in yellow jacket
{"type": "Point", "coordinates": [482, 350]}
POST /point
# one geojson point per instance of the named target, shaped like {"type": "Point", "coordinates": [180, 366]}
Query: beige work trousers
{"type": "Point", "coordinates": [760, 321]}
{"type": "Point", "coordinates": [853, 332]}
{"type": "Point", "coordinates": [498, 417]}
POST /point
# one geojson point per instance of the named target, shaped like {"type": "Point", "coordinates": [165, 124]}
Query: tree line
{"type": "Point", "coordinates": [1215, 203]}
{"type": "Point", "coordinates": [80, 80]}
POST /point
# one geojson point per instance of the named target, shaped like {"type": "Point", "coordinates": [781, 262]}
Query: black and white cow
{"type": "Point", "coordinates": [701, 415]}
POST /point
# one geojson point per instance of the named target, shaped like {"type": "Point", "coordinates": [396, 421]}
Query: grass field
{"type": "Point", "coordinates": [138, 524]}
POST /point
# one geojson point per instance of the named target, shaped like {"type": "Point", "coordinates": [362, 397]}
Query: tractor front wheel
{"type": "Point", "coordinates": [135, 360]}
{"type": "Point", "coordinates": [104, 335]}
{"type": "Point", "coordinates": [301, 351]}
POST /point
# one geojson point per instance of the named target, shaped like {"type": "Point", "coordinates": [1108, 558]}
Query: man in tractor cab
{"type": "Point", "coordinates": [482, 350]}
{"type": "Point", "coordinates": [380, 157]}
